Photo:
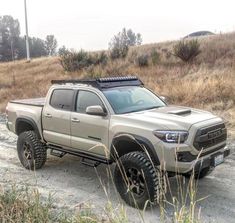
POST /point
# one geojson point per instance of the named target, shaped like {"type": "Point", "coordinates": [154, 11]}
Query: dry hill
{"type": "Point", "coordinates": [208, 83]}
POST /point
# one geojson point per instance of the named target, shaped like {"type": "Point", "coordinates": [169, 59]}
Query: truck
{"type": "Point", "coordinates": [116, 120]}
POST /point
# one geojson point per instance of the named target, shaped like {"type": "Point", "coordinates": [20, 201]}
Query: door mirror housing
{"type": "Point", "coordinates": [96, 110]}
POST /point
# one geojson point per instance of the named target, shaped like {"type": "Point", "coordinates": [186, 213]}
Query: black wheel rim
{"type": "Point", "coordinates": [27, 151]}
{"type": "Point", "coordinates": [136, 182]}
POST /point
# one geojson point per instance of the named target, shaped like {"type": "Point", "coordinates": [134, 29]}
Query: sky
{"type": "Point", "coordinates": [90, 24]}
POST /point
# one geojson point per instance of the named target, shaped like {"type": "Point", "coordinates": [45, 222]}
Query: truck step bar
{"type": "Point", "coordinates": [91, 163]}
{"type": "Point", "coordinates": [63, 151]}
{"type": "Point", "coordinates": [57, 153]}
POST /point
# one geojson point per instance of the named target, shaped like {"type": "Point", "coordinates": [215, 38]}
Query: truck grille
{"type": "Point", "coordinates": [210, 136]}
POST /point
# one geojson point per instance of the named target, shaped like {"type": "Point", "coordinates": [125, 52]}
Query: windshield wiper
{"type": "Point", "coordinates": [143, 109]}
{"type": "Point", "coordinates": [153, 107]}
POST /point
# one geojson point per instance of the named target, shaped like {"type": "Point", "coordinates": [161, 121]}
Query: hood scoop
{"type": "Point", "coordinates": [180, 112]}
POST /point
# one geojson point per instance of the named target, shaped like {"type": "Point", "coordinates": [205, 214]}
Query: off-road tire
{"type": "Point", "coordinates": [36, 150]}
{"type": "Point", "coordinates": [198, 175]}
{"type": "Point", "coordinates": [152, 180]}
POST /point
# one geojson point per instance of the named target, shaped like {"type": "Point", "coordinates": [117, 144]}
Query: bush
{"type": "Point", "coordinates": [142, 60]}
{"type": "Point", "coordinates": [118, 51]}
{"type": "Point", "coordinates": [155, 57]}
{"type": "Point", "coordinates": [99, 58]}
{"type": "Point", "coordinates": [187, 51]}
{"type": "Point", "coordinates": [74, 61]}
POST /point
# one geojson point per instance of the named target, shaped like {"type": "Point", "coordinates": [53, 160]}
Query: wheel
{"type": "Point", "coordinates": [137, 180]}
{"type": "Point", "coordinates": [198, 175]}
{"type": "Point", "coordinates": [32, 152]}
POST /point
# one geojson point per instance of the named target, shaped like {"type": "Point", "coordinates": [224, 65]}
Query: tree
{"type": "Point", "coordinates": [120, 43]}
{"type": "Point", "coordinates": [63, 51]}
{"type": "Point", "coordinates": [9, 35]}
{"type": "Point", "coordinates": [51, 45]}
{"type": "Point", "coordinates": [13, 46]}
{"type": "Point", "coordinates": [37, 47]}
{"type": "Point", "coordinates": [133, 39]}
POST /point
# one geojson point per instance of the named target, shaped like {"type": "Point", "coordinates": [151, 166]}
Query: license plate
{"type": "Point", "coordinates": [218, 159]}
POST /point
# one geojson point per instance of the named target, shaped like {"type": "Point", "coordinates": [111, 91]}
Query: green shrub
{"type": "Point", "coordinates": [187, 51]}
{"type": "Point", "coordinates": [74, 61]}
{"type": "Point", "coordinates": [99, 58]}
{"type": "Point", "coordinates": [155, 57]}
{"type": "Point", "coordinates": [118, 51]}
{"type": "Point", "coordinates": [142, 60]}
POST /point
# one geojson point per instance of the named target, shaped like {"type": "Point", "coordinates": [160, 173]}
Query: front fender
{"type": "Point", "coordinates": [123, 143]}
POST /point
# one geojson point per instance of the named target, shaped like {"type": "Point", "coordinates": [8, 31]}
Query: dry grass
{"type": "Point", "coordinates": [208, 83]}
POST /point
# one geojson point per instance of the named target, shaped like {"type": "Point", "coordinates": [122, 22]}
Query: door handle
{"type": "Point", "coordinates": [48, 115]}
{"type": "Point", "coordinates": [75, 120]}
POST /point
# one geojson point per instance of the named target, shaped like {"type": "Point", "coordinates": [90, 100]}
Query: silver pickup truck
{"type": "Point", "coordinates": [117, 120]}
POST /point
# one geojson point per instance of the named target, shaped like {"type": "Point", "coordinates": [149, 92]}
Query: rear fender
{"type": "Point", "coordinates": [26, 124]}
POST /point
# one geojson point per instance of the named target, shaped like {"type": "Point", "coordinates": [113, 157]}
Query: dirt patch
{"type": "Point", "coordinates": [73, 184]}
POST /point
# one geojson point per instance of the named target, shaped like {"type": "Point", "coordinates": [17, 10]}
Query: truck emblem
{"type": "Point", "coordinates": [214, 134]}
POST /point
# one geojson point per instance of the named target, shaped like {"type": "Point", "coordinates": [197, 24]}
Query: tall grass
{"type": "Point", "coordinates": [24, 205]}
{"type": "Point", "coordinates": [183, 204]}
{"type": "Point", "coordinates": [21, 205]}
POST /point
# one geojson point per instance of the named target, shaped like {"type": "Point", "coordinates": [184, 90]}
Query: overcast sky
{"type": "Point", "coordinates": [90, 24]}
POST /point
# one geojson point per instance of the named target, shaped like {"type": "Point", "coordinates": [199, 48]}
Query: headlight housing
{"type": "Point", "coordinates": [171, 136]}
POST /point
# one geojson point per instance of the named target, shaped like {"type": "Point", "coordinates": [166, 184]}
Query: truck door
{"type": "Point", "coordinates": [89, 133]}
{"type": "Point", "coordinates": [56, 117]}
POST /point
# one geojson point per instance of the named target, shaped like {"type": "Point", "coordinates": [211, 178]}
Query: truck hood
{"type": "Point", "coordinates": [171, 117]}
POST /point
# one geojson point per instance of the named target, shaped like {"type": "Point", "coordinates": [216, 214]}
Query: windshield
{"type": "Point", "coordinates": [132, 99]}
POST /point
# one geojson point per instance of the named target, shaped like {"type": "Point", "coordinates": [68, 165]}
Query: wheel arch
{"type": "Point", "coordinates": [124, 143]}
{"type": "Point", "coordinates": [24, 124]}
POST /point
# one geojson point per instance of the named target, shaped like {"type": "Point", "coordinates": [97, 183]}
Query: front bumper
{"type": "Point", "coordinates": [205, 140]}
{"type": "Point", "coordinates": [210, 160]}
{"type": "Point", "coordinates": [170, 160]}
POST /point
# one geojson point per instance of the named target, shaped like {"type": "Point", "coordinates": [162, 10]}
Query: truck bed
{"type": "Point", "coordinates": [31, 101]}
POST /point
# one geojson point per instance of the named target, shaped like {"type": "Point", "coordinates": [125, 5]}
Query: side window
{"type": "Point", "coordinates": [62, 99]}
{"type": "Point", "coordinates": [85, 99]}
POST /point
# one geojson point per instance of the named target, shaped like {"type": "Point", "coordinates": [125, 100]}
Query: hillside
{"type": "Point", "coordinates": [208, 83]}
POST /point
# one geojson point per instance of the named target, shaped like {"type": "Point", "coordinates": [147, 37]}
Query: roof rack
{"type": "Point", "coordinates": [104, 82]}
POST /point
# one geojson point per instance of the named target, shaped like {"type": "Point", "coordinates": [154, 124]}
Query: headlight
{"type": "Point", "coordinates": [172, 136]}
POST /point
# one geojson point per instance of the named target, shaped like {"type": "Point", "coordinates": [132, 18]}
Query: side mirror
{"type": "Point", "coordinates": [95, 110]}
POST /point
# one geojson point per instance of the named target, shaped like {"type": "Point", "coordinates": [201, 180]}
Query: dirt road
{"type": "Point", "coordinates": [73, 184]}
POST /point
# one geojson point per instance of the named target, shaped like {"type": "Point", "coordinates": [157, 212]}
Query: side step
{"type": "Point", "coordinates": [57, 153]}
{"type": "Point", "coordinates": [90, 163]}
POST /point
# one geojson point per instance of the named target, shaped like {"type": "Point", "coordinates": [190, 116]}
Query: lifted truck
{"type": "Point", "coordinates": [117, 120]}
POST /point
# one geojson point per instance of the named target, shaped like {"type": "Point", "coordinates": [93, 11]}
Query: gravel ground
{"type": "Point", "coordinates": [73, 184]}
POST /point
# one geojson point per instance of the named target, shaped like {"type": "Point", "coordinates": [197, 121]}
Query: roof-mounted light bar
{"type": "Point", "coordinates": [105, 82]}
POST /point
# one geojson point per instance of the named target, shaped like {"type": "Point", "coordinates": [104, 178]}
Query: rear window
{"type": "Point", "coordinates": [62, 99]}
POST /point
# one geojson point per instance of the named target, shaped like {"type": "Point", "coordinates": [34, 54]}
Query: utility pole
{"type": "Point", "coordinates": [27, 34]}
